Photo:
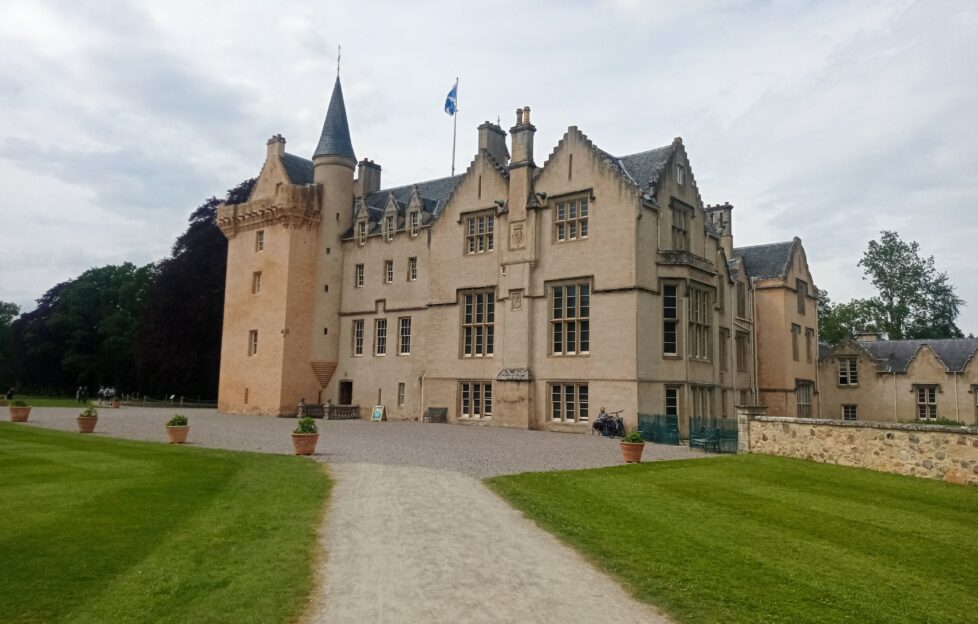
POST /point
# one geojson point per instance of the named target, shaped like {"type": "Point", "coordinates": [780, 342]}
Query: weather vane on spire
{"type": "Point", "coordinates": [339, 54]}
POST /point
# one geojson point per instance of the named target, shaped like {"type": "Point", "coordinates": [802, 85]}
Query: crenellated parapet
{"type": "Point", "coordinates": [291, 206]}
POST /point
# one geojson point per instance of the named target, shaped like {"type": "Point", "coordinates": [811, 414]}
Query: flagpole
{"type": "Point", "coordinates": [454, 125]}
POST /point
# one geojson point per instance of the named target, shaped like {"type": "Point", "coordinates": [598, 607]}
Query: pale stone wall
{"type": "Point", "coordinates": [931, 451]}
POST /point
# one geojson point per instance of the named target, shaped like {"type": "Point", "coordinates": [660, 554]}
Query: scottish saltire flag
{"type": "Point", "coordinates": [451, 102]}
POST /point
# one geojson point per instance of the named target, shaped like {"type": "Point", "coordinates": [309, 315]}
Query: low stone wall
{"type": "Point", "coordinates": [931, 451]}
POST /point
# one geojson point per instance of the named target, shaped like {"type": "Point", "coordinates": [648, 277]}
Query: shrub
{"type": "Point", "coordinates": [946, 422]}
{"type": "Point", "coordinates": [178, 420]}
{"type": "Point", "coordinates": [18, 404]}
{"type": "Point", "coordinates": [306, 425]}
{"type": "Point", "coordinates": [90, 412]}
{"type": "Point", "coordinates": [633, 437]}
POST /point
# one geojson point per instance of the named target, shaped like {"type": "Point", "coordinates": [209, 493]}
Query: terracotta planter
{"type": "Point", "coordinates": [19, 414]}
{"type": "Point", "coordinates": [177, 434]}
{"type": "Point", "coordinates": [86, 424]}
{"type": "Point", "coordinates": [631, 452]}
{"type": "Point", "coordinates": [115, 403]}
{"type": "Point", "coordinates": [304, 443]}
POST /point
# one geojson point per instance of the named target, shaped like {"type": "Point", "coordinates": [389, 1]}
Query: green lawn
{"type": "Point", "coordinates": [752, 538]}
{"type": "Point", "coordinates": [101, 530]}
{"type": "Point", "coordinates": [49, 401]}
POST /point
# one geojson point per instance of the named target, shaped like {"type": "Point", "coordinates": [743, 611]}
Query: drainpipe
{"type": "Point", "coordinates": [753, 339]}
{"type": "Point", "coordinates": [421, 406]}
{"type": "Point", "coordinates": [894, 398]}
{"type": "Point", "coordinates": [957, 406]}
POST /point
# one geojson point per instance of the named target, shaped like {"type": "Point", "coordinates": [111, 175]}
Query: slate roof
{"type": "Point", "coordinates": [335, 139]}
{"type": "Point", "coordinates": [643, 168]}
{"type": "Point", "coordinates": [297, 168]}
{"type": "Point", "coordinates": [765, 261]}
{"type": "Point", "coordinates": [896, 355]}
{"type": "Point", "coordinates": [433, 195]}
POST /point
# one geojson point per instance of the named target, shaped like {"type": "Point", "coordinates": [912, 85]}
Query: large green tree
{"type": "Point", "coordinates": [913, 299]}
{"type": "Point", "coordinates": [8, 312]}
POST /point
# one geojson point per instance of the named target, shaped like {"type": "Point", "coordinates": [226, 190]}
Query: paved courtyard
{"type": "Point", "coordinates": [412, 534]}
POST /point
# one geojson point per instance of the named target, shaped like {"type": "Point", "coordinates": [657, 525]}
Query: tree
{"type": "Point", "coordinates": [179, 344]}
{"type": "Point", "coordinates": [837, 321]}
{"type": "Point", "coordinates": [8, 312]}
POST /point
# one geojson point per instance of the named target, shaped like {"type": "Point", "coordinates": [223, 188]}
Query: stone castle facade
{"type": "Point", "coordinates": [523, 292]}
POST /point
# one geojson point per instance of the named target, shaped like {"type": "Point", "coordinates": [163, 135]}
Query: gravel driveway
{"type": "Point", "coordinates": [412, 534]}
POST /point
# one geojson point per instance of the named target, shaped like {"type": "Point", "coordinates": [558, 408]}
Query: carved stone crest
{"type": "Point", "coordinates": [517, 235]}
{"type": "Point", "coordinates": [516, 299]}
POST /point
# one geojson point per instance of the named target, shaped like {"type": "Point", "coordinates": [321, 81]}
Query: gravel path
{"type": "Point", "coordinates": [412, 534]}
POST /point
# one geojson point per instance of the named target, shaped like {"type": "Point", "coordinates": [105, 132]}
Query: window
{"type": "Point", "coordinates": [723, 403]}
{"type": "Point", "coordinates": [672, 400]}
{"type": "Point", "coordinates": [741, 300]}
{"type": "Point", "coordinates": [400, 394]}
{"type": "Point", "coordinates": [358, 337]}
{"type": "Point", "coordinates": [680, 174]}
{"type": "Point", "coordinates": [724, 348]}
{"type": "Point", "coordinates": [744, 397]}
{"type": "Point", "coordinates": [358, 276]}
{"type": "Point", "coordinates": [389, 227]}
{"type": "Point", "coordinates": [700, 334]}
{"type": "Point", "coordinates": [801, 289]}
{"type": "Point", "coordinates": [404, 344]}
{"type": "Point", "coordinates": [259, 241]}
{"type": "Point", "coordinates": [380, 337]}
{"type": "Point", "coordinates": [253, 342]}
{"type": "Point", "coordinates": [848, 371]}
{"type": "Point", "coordinates": [670, 316]}
{"type": "Point", "coordinates": [743, 352]}
{"type": "Point", "coordinates": [256, 282]}
{"type": "Point", "coordinates": [809, 343]}
{"type": "Point", "coordinates": [848, 412]}
{"type": "Point", "coordinates": [362, 232]}
{"type": "Point", "coordinates": [702, 401]}
{"type": "Point", "coordinates": [478, 320]}
{"type": "Point", "coordinates": [926, 402]}
{"type": "Point", "coordinates": [412, 269]}
{"type": "Point", "coordinates": [388, 271]}
{"type": "Point", "coordinates": [795, 332]}
{"type": "Point", "coordinates": [479, 234]}
{"type": "Point", "coordinates": [570, 309]}
{"type": "Point", "coordinates": [570, 222]}
{"type": "Point", "coordinates": [475, 399]}
{"type": "Point", "coordinates": [414, 221]}
{"type": "Point", "coordinates": [569, 402]}
{"type": "Point", "coordinates": [803, 398]}
{"type": "Point", "coordinates": [680, 228]}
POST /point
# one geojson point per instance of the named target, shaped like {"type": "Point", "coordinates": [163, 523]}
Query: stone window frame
{"type": "Point", "coordinates": [256, 283]}
{"type": "Point", "coordinates": [578, 325]}
{"type": "Point", "coordinates": [681, 217]}
{"type": "Point", "coordinates": [795, 349]}
{"type": "Point", "coordinates": [809, 344]}
{"type": "Point", "coordinates": [804, 409]}
{"type": "Point", "coordinates": [475, 399]}
{"type": "Point", "coordinates": [252, 342]}
{"type": "Point", "coordinates": [741, 300]}
{"type": "Point", "coordinates": [401, 391]}
{"type": "Point", "coordinates": [479, 233]}
{"type": "Point", "coordinates": [680, 173]}
{"type": "Point", "coordinates": [260, 241]}
{"type": "Point", "coordinates": [671, 317]}
{"type": "Point", "coordinates": [699, 337]}
{"type": "Point", "coordinates": [563, 222]}
{"type": "Point", "coordinates": [358, 272]}
{"type": "Point", "coordinates": [389, 271]}
{"type": "Point", "coordinates": [672, 401]}
{"type": "Point", "coordinates": [390, 226]}
{"type": "Point", "coordinates": [414, 223]}
{"type": "Point", "coordinates": [412, 273]}
{"type": "Point", "coordinates": [362, 232]}
{"type": "Point", "coordinates": [567, 403]}
{"type": "Point", "coordinates": [475, 334]}
{"type": "Point", "coordinates": [702, 400]}
{"type": "Point", "coordinates": [848, 377]}
{"type": "Point", "coordinates": [404, 338]}
{"type": "Point", "coordinates": [850, 411]}
{"type": "Point", "coordinates": [724, 349]}
{"type": "Point", "coordinates": [742, 352]}
{"type": "Point", "coordinates": [380, 337]}
{"type": "Point", "coordinates": [926, 400]}
{"type": "Point", "coordinates": [358, 334]}
{"type": "Point", "coordinates": [801, 294]}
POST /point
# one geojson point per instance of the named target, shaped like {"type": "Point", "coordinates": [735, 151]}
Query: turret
{"type": "Point", "coordinates": [720, 217]}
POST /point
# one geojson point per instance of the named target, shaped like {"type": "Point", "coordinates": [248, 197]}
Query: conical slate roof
{"type": "Point", "coordinates": [335, 139]}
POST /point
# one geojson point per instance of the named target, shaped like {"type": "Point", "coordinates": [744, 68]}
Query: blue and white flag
{"type": "Point", "coordinates": [451, 102]}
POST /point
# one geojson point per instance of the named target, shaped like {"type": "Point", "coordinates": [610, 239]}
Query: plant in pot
{"type": "Point", "coordinates": [19, 411]}
{"type": "Point", "coordinates": [632, 446]}
{"type": "Point", "coordinates": [87, 419]}
{"type": "Point", "coordinates": [177, 429]}
{"type": "Point", "coordinates": [305, 436]}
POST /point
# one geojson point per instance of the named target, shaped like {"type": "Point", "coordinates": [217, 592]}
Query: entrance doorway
{"type": "Point", "coordinates": [346, 393]}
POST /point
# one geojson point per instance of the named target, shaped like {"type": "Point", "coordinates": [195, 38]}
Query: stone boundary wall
{"type": "Point", "coordinates": [931, 451]}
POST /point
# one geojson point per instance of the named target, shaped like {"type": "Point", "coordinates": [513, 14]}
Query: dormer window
{"type": "Point", "coordinates": [362, 232]}
{"type": "Point", "coordinates": [389, 227]}
{"type": "Point", "coordinates": [414, 222]}
{"type": "Point", "coordinates": [680, 174]}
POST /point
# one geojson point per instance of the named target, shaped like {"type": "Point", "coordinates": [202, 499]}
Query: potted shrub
{"type": "Point", "coordinates": [305, 436]}
{"type": "Point", "coordinates": [87, 420]}
{"type": "Point", "coordinates": [632, 446]}
{"type": "Point", "coordinates": [19, 411]}
{"type": "Point", "coordinates": [177, 429]}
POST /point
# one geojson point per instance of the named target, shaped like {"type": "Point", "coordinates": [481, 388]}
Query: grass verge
{"type": "Point", "coordinates": [106, 530]}
{"type": "Point", "coordinates": [753, 538]}
{"type": "Point", "coordinates": [49, 401]}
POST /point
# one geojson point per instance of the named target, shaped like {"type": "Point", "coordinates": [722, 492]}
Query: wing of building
{"type": "Point", "coordinates": [519, 293]}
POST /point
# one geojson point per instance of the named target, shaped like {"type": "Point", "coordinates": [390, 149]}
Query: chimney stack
{"type": "Point", "coordinates": [720, 217]}
{"type": "Point", "coordinates": [276, 146]}
{"type": "Point", "coordinates": [368, 178]}
{"type": "Point", "coordinates": [492, 138]}
{"type": "Point", "coordinates": [522, 137]}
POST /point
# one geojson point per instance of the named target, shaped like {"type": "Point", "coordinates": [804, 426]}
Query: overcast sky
{"type": "Point", "coordinates": [827, 121]}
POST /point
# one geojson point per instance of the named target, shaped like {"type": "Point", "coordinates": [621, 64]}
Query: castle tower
{"type": "Point", "coordinates": [333, 165]}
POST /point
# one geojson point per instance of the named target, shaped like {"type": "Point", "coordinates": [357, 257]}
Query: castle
{"type": "Point", "coordinates": [515, 294]}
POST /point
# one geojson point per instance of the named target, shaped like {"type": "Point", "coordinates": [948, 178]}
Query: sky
{"type": "Point", "coordinates": [829, 121]}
